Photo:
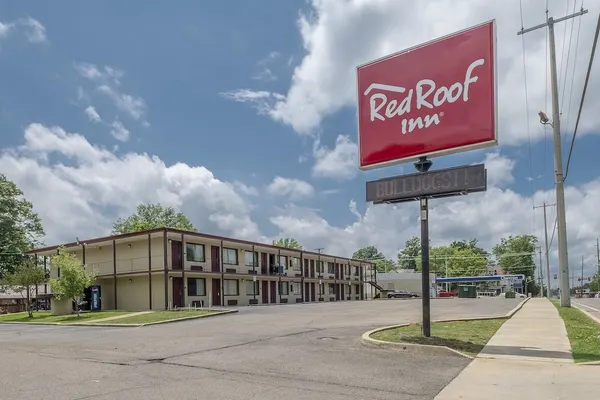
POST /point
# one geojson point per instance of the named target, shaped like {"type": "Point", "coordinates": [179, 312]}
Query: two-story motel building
{"type": "Point", "coordinates": [167, 268]}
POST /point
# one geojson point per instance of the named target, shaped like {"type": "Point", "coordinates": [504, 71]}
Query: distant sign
{"type": "Point", "coordinates": [432, 184]}
{"type": "Point", "coordinates": [433, 99]}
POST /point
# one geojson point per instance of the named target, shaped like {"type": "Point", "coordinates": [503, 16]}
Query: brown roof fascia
{"type": "Point", "coordinates": [188, 233]}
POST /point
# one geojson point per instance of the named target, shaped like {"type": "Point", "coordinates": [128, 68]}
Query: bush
{"type": "Point", "coordinates": [510, 295]}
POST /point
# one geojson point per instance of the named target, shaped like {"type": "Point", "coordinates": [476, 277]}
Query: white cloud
{"type": "Point", "coordinates": [340, 163]}
{"type": "Point", "coordinates": [265, 72]}
{"type": "Point", "coordinates": [295, 189]}
{"type": "Point", "coordinates": [499, 169]}
{"type": "Point", "coordinates": [5, 29]}
{"type": "Point", "coordinates": [98, 186]}
{"type": "Point", "coordinates": [92, 114]}
{"type": "Point", "coordinates": [245, 189]}
{"type": "Point", "coordinates": [36, 32]}
{"type": "Point", "coordinates": [262, 100]}
{"type": "Point", "coordinates": [108, 82]}
{"type": "Point", "coordinates": [119, 132]}
{"type": "Point", "coordinates": [324, 82]}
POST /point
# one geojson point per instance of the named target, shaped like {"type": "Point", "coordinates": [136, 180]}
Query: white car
{"type": "Point", "coordinates": [517, 295]}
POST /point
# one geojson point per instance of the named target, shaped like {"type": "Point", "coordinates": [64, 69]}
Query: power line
{"type": "Point", "coordinates": [527, 115]}
{"type": "Point", "coordinates": [573, 75]}
{"type": "Point", "coordinates": [585, 85]}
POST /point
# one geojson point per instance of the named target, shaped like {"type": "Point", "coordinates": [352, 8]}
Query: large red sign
{"type": "Point", "coordinates": [434, 99]}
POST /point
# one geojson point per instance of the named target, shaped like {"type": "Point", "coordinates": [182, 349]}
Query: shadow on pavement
{"type": "Point", "coordinates": [525, 352]}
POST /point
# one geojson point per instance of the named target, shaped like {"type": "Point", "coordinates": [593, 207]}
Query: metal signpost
{"type": "Point", "coordinates": [435, 99]}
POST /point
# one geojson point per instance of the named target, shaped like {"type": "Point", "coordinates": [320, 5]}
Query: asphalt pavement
{"type": "Point", "coordinates": [300, 351]}
{"type": "Point", "coordinates": [590, 305]}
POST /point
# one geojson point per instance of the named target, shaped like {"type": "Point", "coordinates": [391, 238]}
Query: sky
{"type": "Point", "coordinates": [242, 115]}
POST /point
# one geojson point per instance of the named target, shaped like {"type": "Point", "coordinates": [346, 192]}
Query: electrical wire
{"type": "Point", "coordinates": [546, 105]}
{"type": "Point", "coordinates": [562, 57]}
{"type": "Point", "coordinates": [531, 174]}
{"type": "Point", "coordinates": [585, 85]}
{"type": "Point", "coordinates": [572, 77]}
{"type": "Point", "coordinates": [564, 85]}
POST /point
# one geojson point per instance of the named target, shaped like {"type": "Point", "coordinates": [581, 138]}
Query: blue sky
{"type": "Point", "coordinates": [178, 62]}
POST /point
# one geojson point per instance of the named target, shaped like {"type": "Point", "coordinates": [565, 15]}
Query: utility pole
{"type": "Point", "coordinates": [581, 276]}
{"type": "Point", "coordinates": [559, 180]}
{"type": "Point", "coordinates": [598, 259]}
{"type": "Point", "coordinates": [541, 277]}
{"type": "Point", "coordinates": [547, 247]}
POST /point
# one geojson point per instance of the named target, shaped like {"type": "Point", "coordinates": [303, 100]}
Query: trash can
{"type": "Point", "coordinates": [467, 292]}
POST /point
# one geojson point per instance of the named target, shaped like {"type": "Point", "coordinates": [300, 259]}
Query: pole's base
{"type": "Point", "coordinates": [423, 164]}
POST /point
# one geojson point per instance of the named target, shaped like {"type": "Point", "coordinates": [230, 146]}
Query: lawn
{"type": "Point", "coordinates": [160, 316]}
{"type": "Point", "coordinates": [583, 332]}
{"type": "Point", "coordinates": [468, 337]}
{"type": "Point", "coordinates": [47, 317]}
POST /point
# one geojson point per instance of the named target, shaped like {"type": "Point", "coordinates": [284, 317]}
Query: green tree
{"type": "Point", "coordinates": [470, 245]}
{"type": "Point", "coordinates": [407, 257]}
{"type": "Point", "coordinates": [25, 278]}
{"type": "Point", "coordinates": [367, 253]}
{"type": "Point", "coordinates": [152, 216]}
{"type": "Point", "coordinates": [516, 254]}
{"type": "Point", "coordinates": [74, 278]}
{"type": "Point", "coordinates": [290, 243]}
{"type": "Point", "coordinates": [455, 261]}
{"type": "Point", "coordinates": [20, 227]}
{"type": "Point", "coordinates": [384, 265]}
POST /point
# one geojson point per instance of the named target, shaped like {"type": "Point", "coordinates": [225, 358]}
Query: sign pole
{"type": "Point", "coordinates": [423, 166]}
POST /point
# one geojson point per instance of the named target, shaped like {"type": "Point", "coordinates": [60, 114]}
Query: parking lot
{"type": "Point", "coordinates": [304, 351]}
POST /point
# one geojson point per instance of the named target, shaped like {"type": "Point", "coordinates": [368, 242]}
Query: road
{"type": "Point", "coordinates": [590, 305]}
{"type": "Point", "coordinates": [310, 351]}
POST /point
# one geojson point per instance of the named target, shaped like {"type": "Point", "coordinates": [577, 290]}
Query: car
{"type": "Point", "coordinates": [444, 293]}
{"type": "Point", "coordinates": [402, 294]}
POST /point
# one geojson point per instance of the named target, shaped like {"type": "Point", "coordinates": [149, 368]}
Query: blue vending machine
{"type": "Point", "coordinates": [96, 299]}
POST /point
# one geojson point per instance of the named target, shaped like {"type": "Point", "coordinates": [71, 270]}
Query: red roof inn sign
{"type": "Point", "coordinates": [434, 99]}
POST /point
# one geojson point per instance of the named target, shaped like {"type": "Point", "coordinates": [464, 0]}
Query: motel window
{"type": "Point", "coordinates": [283, 261]}
{"type": "Point", "coordinates": [251, 258]}
{"type": "Point", "coordinates": [196, 287]}
{"type": "Point", "coordinates": [251, 288]}
{"type": "Point", "coordinates": [230, 256]}
{"type": "Point", "coordinates": [297, 288]}
{"type": "Point", "coordinates": [320, 269]}
{"type": "Point", "coordinates": [356, 271]}
{"type": "Point", "coordinates": [330, 268]}
{"type": "Point", "coordinates": [356, 289]}
{"type": "Point", "coordinates": [347, 273]}
{"type": "Point", "coordinates": [231, 287]}
{"type": "Point", "coordinates": [194, 252]}
{"type": "Point", "coordinates": [284, 288]}
{"type": "Point", "coordinates": [331, 288]}
{"type": "Point", "coordinates": [295, 264]}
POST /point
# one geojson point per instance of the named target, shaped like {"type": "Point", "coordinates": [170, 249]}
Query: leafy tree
{"type": "Point", "coordinates": [407, 257]}
{"type": "Point", "coordinates": [515, 254]}
{"type": "Point", "coordinates": [455, 261]}
{"type": "Point", "coordinates": [367, 253]}
{"type": "Point", "coordinates": [384, 265]}
{"type": "Point", "coordinates": [74, 278]}
{"type": "Point", "coordinates": [20, 227]}
{"type": "Point", "coordinates": [25, 278]}
{"type": "Point", "coordinates": [290, 243]}
{"type": "Point", "coordinates": [152, 216]}
{"type": "Point", "coordinates": [470, 245]}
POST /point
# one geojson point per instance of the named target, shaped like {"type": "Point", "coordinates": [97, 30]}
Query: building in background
{"type": "Point", "coordinates": [407, 280]}
{"type": "Point", "coordinates": [168, 268]}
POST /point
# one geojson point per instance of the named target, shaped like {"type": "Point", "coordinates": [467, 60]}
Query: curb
{"type": "Point", "coordinates": [366, 338]}
{"type": "Point", "coordinates": [593, 317]}
{"type": "Point", "coordinates": [517, 307]}
{"type": "Point", "coordinates": [114, 325]}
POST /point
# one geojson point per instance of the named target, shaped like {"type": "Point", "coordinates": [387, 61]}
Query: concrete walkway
{"type": "Point", "coordinates": [133, 314]}
{"type": "Point", "coordinates": [528, 358]}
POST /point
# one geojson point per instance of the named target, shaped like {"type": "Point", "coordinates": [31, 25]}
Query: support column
{"type": "Point", "coordinates": [222, 276]}
{"type": "Point", "coordinates": [45, 273]}
{"type": "Point", "coordinates": [149, 271]}
{"type": "Point", "coordinates": [114, 246]}
{"type": "Point", "coordinates": [183, 283]}
{"type": "Point", "coordinates": [302, 275]}
{"type": "Point", "coordinates": [166, 267]}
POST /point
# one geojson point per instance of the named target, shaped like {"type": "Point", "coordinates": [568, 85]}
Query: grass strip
{"type": "Point", "coordinates": [47, 317]}
{"type": "Point", "coordinates": [468, 337]}
{"type": "Point", "coordinates": [583, 333]}
{"type": "Point", "coordinates": [159, 316]}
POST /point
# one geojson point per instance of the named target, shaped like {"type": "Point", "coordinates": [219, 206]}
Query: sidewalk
{"type": "Point", "coordinates": [528, 358]}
